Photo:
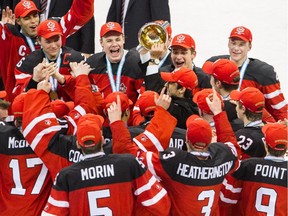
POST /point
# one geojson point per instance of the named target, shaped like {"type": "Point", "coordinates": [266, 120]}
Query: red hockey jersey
{"type": "Point", "coordinates": [14, 45]}
{"type": "Point", "coordinates": [259, 187]}
{"type": "Point", "coordinates": [48, 136]}
{"type": "Point", "coordinates": [192, 184]}
{"type": "Point", "coordinates": [106, 185]}
{"type": "Point", "coordinates": [25, 182]}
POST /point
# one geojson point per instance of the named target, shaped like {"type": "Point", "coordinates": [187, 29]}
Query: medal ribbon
{"type": "Point", "coordinates": [118, 75]}
{"type": "Point", "coordinates": [29, 41]}
{"type": "Point", "coordinates": [242, 72]}
{"type": "Point", "coordinates": [52, 80]}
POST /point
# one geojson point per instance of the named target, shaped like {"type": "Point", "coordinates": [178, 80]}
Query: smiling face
{"type": "Point", "coordinates": [238, 50]}
{"type": "Point", "coordinates": [182, 57]}
{"type": "Point", "coordinates": [51, 46]}
{"type": "Point", "coordinates": [29, 24]}
{"type": "Point", "coordinates": [112, 44]}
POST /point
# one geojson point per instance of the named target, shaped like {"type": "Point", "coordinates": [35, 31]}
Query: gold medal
{"type": "Point", "coordinates": [53, 95]}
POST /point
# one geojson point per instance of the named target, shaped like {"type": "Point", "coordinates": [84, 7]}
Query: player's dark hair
{"type": "Point", "coordinates": [226, 86]}
{"type": "Point", "coordinates": [4, 104]}
{"type": "Point", "coordinates": [91, 150]}
{"type": "Point", "coordinates": [277, 153]}
{"type": "Point", "coordinates": [251, 116]}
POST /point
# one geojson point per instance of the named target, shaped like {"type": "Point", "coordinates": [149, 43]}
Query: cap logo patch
{"type": "Point", "coordinates": [51, 26]}
{"type": "Point", "coordinates": [27, 4]}
{"type": "Point", "coordinates": [88, 137]}
{"type": "Point", "coordinates": [110, 25]}
{"type": "Point", "coordinates": [240, 30]}
{"type": "Point", "coordinates": [47, 122]}
{"type": "Point", "coordinates": [180, 39]}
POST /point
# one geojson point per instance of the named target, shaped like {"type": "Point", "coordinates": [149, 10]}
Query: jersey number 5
{"type": "Point", "coordinates": [94, 209]}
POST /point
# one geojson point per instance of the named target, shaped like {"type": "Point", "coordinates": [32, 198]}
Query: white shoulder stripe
{"type": "Point", "coordinates": [154, 140]}
{"type": "Point", "coordinates": [139, 144]}
{"type": "Point", "coordinates": [226, 200]}
{"type": "Point", "coordinates": [155, 199]}
{"type": "Point", "coordinates": [230, 187]}
{"type": "Point", "coordinates": [22, 76]}
{"type": "Point", "coordinates": [272, 94]}
{"type": "Point", "coordinates": [71, 120]}
{"type": "Point", "coordinates": [42, 133]}
{"type": "Point", "coordinates": [62, 204]}
{"type": "Point", "coordinates": [80, 109]}
{"type": "Point", "coordinates": [150, 165]}
{"type": "Point", "coordinates": [146, 187]}
{"type": "Point", "coordinates": [46, 214]}
{"type": "Point", "coordinates": [38, 119]}
{"type": "Point", "coordinates": [279, 105]}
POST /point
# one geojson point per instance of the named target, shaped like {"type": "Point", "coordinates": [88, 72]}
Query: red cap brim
{"type": "Point", "coordinates": [167, 76]}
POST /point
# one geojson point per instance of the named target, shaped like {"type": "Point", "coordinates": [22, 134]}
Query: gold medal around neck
{"type": "Point", "coordinates": [53, 95]}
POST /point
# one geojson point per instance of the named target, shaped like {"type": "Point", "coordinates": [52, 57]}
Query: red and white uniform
{"type": "Point", "coordinates": [192, 184]}
{"type": "Point", "coordinates": [25, 182]}
{"type": "Point", "coordinates": [24, 70]}
{"type": "Point", "coordinates": [46, 134]}
{"type": "Point", "coordinates": [262, 76]}
{"type": "Point", "coordinates": [258, 187]}
{"type": "Point", "coordinates": [106, 185]}
{"type": "Point", "coordinates": [14, 45]}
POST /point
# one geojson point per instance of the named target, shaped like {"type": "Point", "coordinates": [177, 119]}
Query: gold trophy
{"type": "Point", "coordinates": [152, 33]}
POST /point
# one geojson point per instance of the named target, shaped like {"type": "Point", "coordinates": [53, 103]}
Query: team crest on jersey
{"type": "Point", "coordinates": [47, 122]}
{"type": "Point", "coordinates": [76, 116]}
{"type": "Point", "coordinates": [27, 4]}
{"type": "Point", "coordinates": [51, 26]}
{"type": "Point", "coordinates": [240, 30]}
{"type": "Point", "coordinates": [180, 39]}
{"type": "Point", "coordinates": [143, 138]}
{"type": "Point", "coordinates": [158, 187]}
{"type": "Point", "coordinates": [122, 88]}
{"type": "Point", "coordinates": [95, 88]}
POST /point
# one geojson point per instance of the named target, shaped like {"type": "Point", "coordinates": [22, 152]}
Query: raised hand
{"type": "Point", "coordinates": [157, 50]}
{"type": "Point", "coordinates": [44, 84]}
{"type": "Point", "coordinates": [114, 111]}
{"type": "Point", "coordinates": [79, 68]}
{"type": "Point", "coordinates": [215, 104]}
{"type": "Point", "coordinates": [38, 72]}
{"type": "Point", "coordinates": [8, 16]}
{"type": "Point", "coordinates": [163, 100]}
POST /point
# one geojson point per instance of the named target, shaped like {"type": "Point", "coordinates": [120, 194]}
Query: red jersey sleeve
{"type": "Point", "coordinates": [157, 134]}
{"type": "Point", "coordinates": [79, 14]}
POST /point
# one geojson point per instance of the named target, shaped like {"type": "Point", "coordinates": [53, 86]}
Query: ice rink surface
{"type": "Point", "coordinates": [209, 22]}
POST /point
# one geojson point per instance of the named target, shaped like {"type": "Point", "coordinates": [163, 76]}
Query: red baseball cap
{"type": "Point", "coordinates": [183, 76]}
{"type": "Point", "coordinates": [89, 127]}
{"type": "Point", "coordinates": [110, 26]}
{"type": "Point", "coordinates": [23, 8]}
{"type": "Point", "coordinates": [183, 40]}
{"type": "Point", "coordinates": [18, 105]}
{"type": "Point", "coordinates": [198, 131]}
{"type": "Point", "coordinates": [275, 134]}
{"type": "Point", "coordinates": [242, 33]}
{"type": "Point", "coordinates": [3, 94]}
{"type": "Point", "coordinates": [60, 108]}
{"type": "Point", "coordinates": [147, 102]}
{"type": "Point", "coordinates": [251, 98]}
{"type": "Point", "coordinates": [200, 99]}
{"type": "Point", "coordinates": [112, 97]}
{"type": "Point", "coordinates": [225, 71]}
{"type": "Point", "coordinates": [48, 29]}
